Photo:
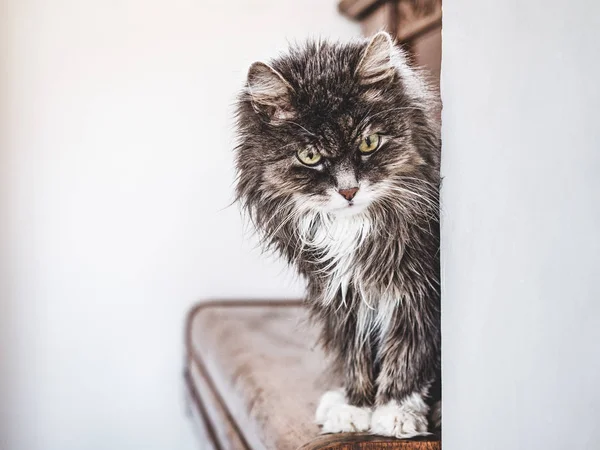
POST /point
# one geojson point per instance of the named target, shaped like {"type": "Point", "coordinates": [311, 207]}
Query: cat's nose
{"type": "Point", "coordinates": [348, 194]}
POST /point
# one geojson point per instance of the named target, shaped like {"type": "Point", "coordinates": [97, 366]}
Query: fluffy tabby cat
{"type": "Point", "coordinates": [338, 168]}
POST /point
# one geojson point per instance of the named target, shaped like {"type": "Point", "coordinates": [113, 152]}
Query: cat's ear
{"type": "Point", "coordinates": [269, 93]}
{"type": "Point", "coordinates": [377, 61]}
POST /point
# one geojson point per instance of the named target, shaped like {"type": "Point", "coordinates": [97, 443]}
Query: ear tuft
{"type": "Point", "coordinates": [269, 93]}
{"type": "Point", "coordinates": [377, 63]}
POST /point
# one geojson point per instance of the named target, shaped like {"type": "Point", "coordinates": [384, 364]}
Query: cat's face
{"type": "Point", "coordinates": [331, 129]}
{"type": "Point", "coordinates": [343, 164]}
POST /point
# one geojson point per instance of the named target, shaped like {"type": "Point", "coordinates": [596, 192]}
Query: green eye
{"type": "Point", "coordinates": [369, 143]}
{"type": "Point", "coordinates": [309, 156]}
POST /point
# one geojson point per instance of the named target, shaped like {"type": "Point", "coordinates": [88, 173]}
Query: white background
{"type": "Point", "coordinates": [116, 171]}
{"type": "Point", "coordinates": [521, 222]}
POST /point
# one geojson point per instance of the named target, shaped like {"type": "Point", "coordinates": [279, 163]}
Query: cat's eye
{"type": "Point", "coordinates": [309, 156]}
{"type": "Point", "coordinates": [369, 144]}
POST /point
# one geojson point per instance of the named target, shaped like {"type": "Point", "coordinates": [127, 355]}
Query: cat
{"type": "Point", "coordinates": [338, 168]}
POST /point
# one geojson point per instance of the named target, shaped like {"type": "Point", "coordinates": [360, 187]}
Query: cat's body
{"type": "Point", "coordinates": [338, 168]}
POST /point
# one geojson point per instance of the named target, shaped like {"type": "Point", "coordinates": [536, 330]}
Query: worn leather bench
{"type": "Point", "coordinates": [254, 375]}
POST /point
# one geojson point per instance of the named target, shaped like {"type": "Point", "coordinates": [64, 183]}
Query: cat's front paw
{"type": "Point", "coordinates": [328, 400]}
{"type": "Point", "coordinates": [347, 419]}
{"type": "Point", "coordinates": [404, 419]}
{"type": "Point", "coordinates": [335, 415]}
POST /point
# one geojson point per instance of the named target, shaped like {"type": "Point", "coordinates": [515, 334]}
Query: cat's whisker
{"type": "Point", "coordinates": [426, 200]}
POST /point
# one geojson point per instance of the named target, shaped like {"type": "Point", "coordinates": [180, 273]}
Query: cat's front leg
{"type": "Point", "coordinates": [349, 409]}
{"type": "Point", "coordinates": [407, 371]}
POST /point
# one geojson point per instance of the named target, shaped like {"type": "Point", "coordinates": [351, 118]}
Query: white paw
{"type": "Point", "coordinates": [347, 419]}
{"type": "Point", "coordinates": [328, 400]}
{"type": "Point", "coordinates": [401, 419]}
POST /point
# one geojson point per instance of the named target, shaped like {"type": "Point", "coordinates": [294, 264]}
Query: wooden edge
{"type": "Point", "coordinates": [225, 430]}
{"type": "Point", "coordinates": [429, 15]}
{"type": "Point", "coordinates": [424, 26]}
{"type": "Point", "coordinates": [201, 408]}
{"type": "Point", "coordinates": [236, 303]}
{"type": "Point", "coordinates": [359, 9]}
{"type": "Point", "coordinates": [233, 303]}
{"type": "Point", "coordinates": [197, 401]}
{"type": "Point", "coordinates": [364, 441]}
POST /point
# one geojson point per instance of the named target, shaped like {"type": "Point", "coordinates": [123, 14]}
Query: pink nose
{"type": "Point", "coordinates": [348, 194]}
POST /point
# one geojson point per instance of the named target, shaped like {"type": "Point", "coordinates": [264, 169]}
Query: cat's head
{"type": "Point", "coordinates": [336, 129]}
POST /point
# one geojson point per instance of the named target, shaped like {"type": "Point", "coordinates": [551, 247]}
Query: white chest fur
{"type": "Point", "coordinates": [337, 241]}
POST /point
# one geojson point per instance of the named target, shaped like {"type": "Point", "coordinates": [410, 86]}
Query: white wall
{"type": "Point", "coordinates": [116, 167]}
{"type": "Point", "coordinates": [521, 249]}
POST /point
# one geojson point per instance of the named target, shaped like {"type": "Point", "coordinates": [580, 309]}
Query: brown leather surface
{"type": "Point", "coordinates": [196, 411]}
{"type": "Point", "coordinates": [266, 373]}
{"type": "Point", "coordinates": [222, 428]}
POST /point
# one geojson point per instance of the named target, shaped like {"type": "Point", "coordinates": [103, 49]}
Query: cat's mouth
{"type": "Point", "coordinates": [350, 208]}
{"type": "Point", "coordinates": [338, 206]}
{"type": "Point", "coordinates": [334, 205]}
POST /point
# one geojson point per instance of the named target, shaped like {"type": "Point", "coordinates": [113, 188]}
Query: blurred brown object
{"type": "Point", "coordinates": [416, 24]}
